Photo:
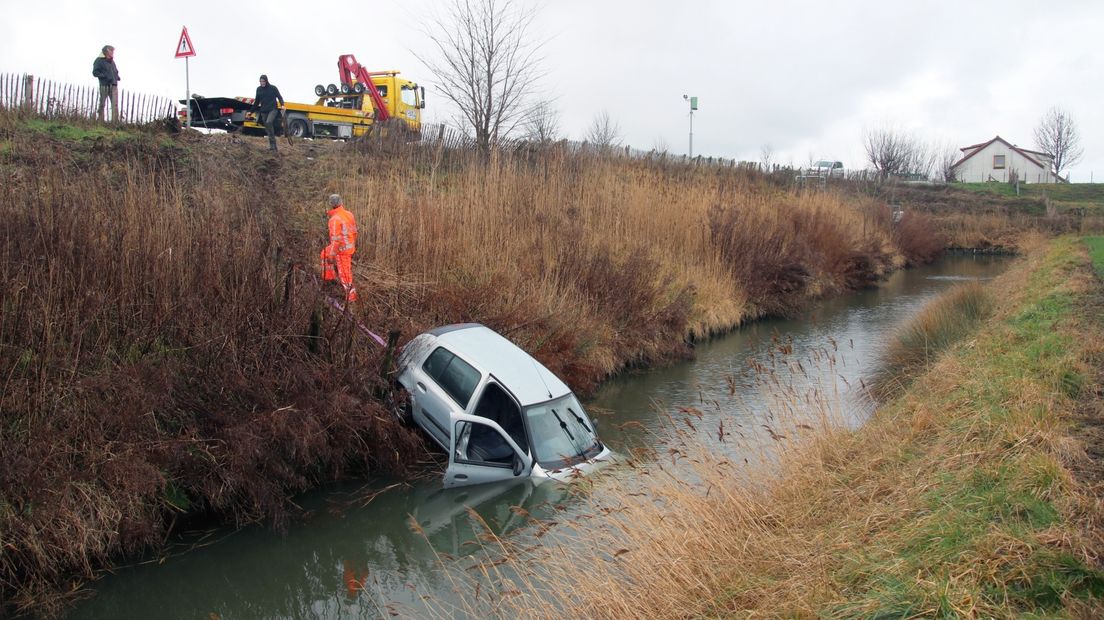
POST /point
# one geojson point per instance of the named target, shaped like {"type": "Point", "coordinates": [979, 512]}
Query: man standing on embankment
{"type": "Point", "coordinates": [105, 70]}
{"type": "Point", "coordinates": [267, 110]}
{"type": "Point", "coordinates": [337, 257]}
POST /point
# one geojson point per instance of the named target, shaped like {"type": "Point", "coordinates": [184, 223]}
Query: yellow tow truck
{"type": "Point", "coordinates": [364, 99]}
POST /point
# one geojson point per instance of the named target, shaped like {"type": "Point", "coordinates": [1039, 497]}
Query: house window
{"type": "Point", "coordinates": [998, 162]}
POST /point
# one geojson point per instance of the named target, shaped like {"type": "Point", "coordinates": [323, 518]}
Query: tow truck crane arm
{"type": "Point", "coordinates": [350, 71]}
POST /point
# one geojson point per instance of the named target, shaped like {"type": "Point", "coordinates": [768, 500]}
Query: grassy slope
{"type": "Point", "coordinates": [998, 521]}
{"type": "Point", "coordinates": [976, 493]}
{"type": "Point", "coordinates": [1064, 196]}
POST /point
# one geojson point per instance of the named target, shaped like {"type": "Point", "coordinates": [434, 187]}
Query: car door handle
{"type": "Point", "coordinates": [461, 477]}
{"type": "Point", "coordinates": [421, 386]}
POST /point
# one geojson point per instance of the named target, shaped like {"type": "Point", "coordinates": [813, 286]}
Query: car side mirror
{"type": "Point", "coordinates": [518, 465]}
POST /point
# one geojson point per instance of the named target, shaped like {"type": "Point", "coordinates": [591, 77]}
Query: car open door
{"type": "Point", "coordinates": [480, 451]}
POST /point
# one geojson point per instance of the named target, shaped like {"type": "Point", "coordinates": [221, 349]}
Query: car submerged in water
{"type": "Point", "coordinates": [497, 412]}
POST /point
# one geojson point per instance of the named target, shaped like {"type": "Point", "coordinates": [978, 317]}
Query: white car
{"type": "Point", "coordinates": [498, 412]}
{"type": "Point", "coordinates": [824, 169]}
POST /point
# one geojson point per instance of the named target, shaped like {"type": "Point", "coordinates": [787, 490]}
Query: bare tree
{"type": "Point", "coordinates": [488, 63]}
{"type": "Point", "coordinates": [893, 152]}
{"type": "Point", "coordinates": [542, 123]}
{"type": "Point", "coordinates": [766, 157]}
{"type": "Point", "coordinates": [947, 155]}
{"type": "Point", "coordinates": [604, 133]}
{"type": "Point", "coordinates": [1057, 134]}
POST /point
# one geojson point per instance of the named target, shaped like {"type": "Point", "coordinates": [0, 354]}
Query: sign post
{"type": "Point", "coordinates": [185, 50]}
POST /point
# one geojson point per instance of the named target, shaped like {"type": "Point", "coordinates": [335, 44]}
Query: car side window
{"type": "Point", "coordinates": [455, 376]}
{"type": "Point", "coordinates": [436, 363]}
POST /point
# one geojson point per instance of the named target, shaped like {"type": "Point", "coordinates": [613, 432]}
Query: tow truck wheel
{"type": "Point", "coordinates": [297, 128]}
{"type": "Point", "coordinates": [331, 89]}
{"type": "Point", "coordinates": [345, 89]}
{"type": "Point", "coordinates": [319, 90]}
{"type": "Point", "coordinates": [358, 88]}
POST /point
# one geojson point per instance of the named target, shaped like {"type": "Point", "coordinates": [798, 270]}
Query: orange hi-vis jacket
{"type": "Point", "coordinates": [337, 257]}
{"type": "Point", "coordinates": [343, 232]}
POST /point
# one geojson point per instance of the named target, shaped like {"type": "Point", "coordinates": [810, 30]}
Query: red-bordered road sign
{"type": "Point", "coordinates": [185, 48]}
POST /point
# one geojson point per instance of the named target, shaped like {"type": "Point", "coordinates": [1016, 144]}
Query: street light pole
{"type": "Point", "coordinates": [693, 106]}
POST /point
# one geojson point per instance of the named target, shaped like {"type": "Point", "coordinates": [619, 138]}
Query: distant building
{"type": "Point", "coordinates": [997, 160]}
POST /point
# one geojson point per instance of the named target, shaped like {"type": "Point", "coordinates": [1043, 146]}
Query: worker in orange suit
{"type": "Point", "coordinates": [337, 257]}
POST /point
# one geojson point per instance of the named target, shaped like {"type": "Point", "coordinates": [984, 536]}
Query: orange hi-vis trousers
{"type": "Point", "coordinates": [340, 267]}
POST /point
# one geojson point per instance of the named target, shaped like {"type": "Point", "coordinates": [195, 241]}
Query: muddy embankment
{"type": "Point", "coordinates": [161, 357]}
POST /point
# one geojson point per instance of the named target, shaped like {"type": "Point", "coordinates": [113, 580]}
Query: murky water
{"type": "Point", "coordinates": [357, 554]}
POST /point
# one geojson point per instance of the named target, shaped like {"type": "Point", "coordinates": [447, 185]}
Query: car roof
{"type": "Point", "coordinates": [526, 378]}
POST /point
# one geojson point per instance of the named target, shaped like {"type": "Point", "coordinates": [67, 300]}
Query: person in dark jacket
{"type": "Point", "coordinates": [104, 68]}
{"type": "Point", "coordinates": [267, 110]}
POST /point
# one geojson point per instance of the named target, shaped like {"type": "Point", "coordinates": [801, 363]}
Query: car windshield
{"type": "Point", "coordinates": [561, 432]}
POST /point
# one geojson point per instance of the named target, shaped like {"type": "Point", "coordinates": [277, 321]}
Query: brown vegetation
{"type": "Point", "coordinates": [983, 221]}
{"type": "Point", "coordinates": [159, 358]}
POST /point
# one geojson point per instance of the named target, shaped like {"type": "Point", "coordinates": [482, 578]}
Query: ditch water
{"type": "Point", "coordinates": [356, 554]}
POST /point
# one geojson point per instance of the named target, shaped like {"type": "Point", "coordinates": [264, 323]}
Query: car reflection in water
{"type": "Point", "coordinates": [347, 559]}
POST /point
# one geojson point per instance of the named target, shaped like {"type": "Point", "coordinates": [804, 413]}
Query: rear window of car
{"type": "Point", "coordinates": [455, 376]}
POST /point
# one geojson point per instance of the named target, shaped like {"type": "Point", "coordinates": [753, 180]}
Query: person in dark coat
{"type": "Point", "coordinates": [104, 68]}
{"type": "Point", "coordinates": [267, 109]}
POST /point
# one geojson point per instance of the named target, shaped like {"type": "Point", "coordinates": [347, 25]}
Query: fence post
{"type": "Point", "coordinates": [28, 90]}
{"type": "Point", "coordinates": [389, 354]}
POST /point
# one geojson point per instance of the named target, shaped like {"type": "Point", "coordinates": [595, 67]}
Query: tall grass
{"type": "Point", "coordinates": [920, 341]}
{"type": "Point", "coordinates": [609, 262]}
{"type": "Point", "coordinates": [150, 365]}
{"type": "Point", "coordinates": [160, 358]}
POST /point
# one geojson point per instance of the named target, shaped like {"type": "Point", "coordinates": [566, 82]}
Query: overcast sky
{"type": "Point", "coordinates": [805, 78]}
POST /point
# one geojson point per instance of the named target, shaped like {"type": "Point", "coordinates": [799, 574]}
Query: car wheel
{"type": "Point", "coordinates": [346, 89]}
{"type": "Point", "coordinates": [331, 89]}
{"type": "Point", "coordinates": [358, 88]}
{"type": "Point", "coordinates": [297, 128]}
{"type": "Point", "coordinates": [399, 402]}
{"type": "Point", "coordinates": [319, 90]}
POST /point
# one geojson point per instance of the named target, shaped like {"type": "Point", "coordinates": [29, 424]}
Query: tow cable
{"type": "Point", "coordinates": [337, 305]}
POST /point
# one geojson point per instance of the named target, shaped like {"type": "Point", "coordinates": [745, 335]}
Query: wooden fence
{"type": "Point", "coordinates": [449, 138]}
{"type": "Point", "coordinates": [56, 99]}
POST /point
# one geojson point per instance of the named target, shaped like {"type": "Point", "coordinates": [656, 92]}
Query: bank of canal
{"type": "Point", "coordinates": [356, 553]}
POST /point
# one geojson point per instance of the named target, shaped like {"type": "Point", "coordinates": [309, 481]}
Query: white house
{"type": "Point", "coordinates": [997, 160]}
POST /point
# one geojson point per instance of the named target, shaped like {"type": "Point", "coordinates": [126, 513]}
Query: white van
{"type": "Point", "coordinates": [498, 412]}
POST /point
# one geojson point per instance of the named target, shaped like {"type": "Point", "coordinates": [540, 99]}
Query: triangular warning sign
{"type": "Point", "coordinates": [185, 48]}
